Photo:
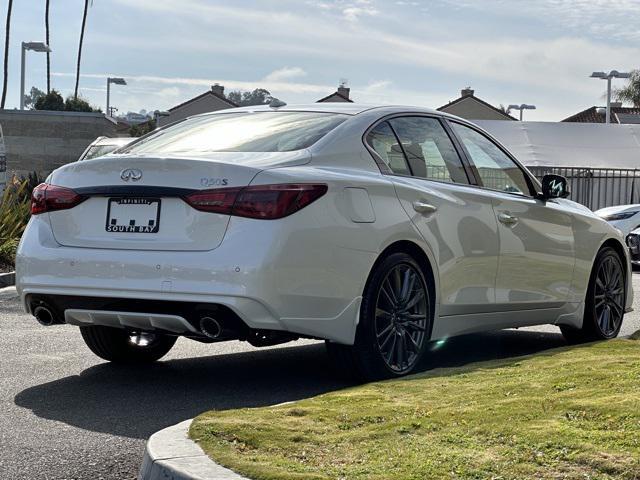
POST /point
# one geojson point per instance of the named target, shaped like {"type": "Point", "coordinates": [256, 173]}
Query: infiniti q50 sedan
{"type": "Point", "coordinates": [377, 229]}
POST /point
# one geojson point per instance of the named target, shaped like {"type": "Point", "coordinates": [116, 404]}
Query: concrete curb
{"type": "Point", "coordinates": [7, 279]}
{"type": "Point", "coordinates": [171, 455]}
{"type": "Point", "coordinates": [8, 293]}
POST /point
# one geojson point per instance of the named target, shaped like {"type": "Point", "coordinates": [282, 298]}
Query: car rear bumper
{"type": "Point", "coordinates": [301, 288]}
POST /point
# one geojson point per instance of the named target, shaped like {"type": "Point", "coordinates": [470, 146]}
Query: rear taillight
{"type": "Point", "coordinates": [47, 198]}
{"type": "Point", "coordinates": [267, 202]}
{"type": "Point", "coordinates": [220, 200]}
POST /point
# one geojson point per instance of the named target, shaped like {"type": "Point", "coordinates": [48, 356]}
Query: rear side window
{"type": "Point", "coordinates": [385, 143]}
{"type": "Point", "coordinates": [98, 151]}
{"type": "Point", "coordinates": [240, 132]}
{"type": "Point", "coordinates": [429, 150]}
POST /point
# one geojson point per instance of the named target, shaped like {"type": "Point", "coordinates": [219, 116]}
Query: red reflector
{"type": "Point", "coordinates": [47, 198]}
{"type": "Point", "coordinates": [267, 202]}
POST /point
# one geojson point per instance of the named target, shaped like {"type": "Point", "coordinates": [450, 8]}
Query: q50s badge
{"type": "Point", "coordinates": [213, 182]}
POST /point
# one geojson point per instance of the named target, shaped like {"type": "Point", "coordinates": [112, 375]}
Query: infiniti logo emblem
{"type": "Point", "coordinates": [132, 174]}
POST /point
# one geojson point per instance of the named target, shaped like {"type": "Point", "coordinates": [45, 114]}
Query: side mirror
{"type": "Point", "coordinates": [554, 186]}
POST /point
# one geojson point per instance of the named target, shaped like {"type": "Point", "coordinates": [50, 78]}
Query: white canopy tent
{"type": "Point", "coordinates": [559, 144]}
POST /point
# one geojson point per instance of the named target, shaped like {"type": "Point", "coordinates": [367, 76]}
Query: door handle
{"type": "Point", "coordinates": [507, 219]}
{"type": "Point", "coordinates": [424, 208]}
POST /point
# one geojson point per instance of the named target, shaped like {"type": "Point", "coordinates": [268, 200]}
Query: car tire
{"type": "Point", "coordinates": [120, 346]}
{"type": "Point", "coordinates": [604, 303]}
{"type": "Point", "coordinates": [395, 310]}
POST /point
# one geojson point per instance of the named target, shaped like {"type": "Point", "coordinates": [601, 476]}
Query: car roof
{"type": "Point", "coordinates": [112, 141]}
{"type": "Point", "coordinates": [332, 107]}
{"type": "Point", "coordinates": [618, 208]}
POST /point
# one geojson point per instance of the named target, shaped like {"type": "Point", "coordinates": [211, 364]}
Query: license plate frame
{"type": "Point", "coordinates": [118, 205]}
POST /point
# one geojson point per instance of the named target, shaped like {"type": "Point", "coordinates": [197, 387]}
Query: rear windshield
{"type": "Point", "coordinates": [240, 132]}
{"type": "Point", "coordinates": [98, 151]}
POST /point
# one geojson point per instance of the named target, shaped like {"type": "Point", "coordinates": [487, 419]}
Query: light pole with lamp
{"type": "Point", "coordinates": [521, 107]}
{"type": "Point", "coordinates": [115, 81]}
{"type": "Point", "coordinates": [158, 114]}
{"type": "Point", "coordinates": [608, 76]}
{"type": "Point", "coordinates": [33, 46]}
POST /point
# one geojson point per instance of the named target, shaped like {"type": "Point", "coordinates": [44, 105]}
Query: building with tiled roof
{"type": "Point", "coordinates": [470, 107]}
{"type": "Point", "coordinates": [210, 101]}
{"type": "Point", "coordinates": [619, 114]}
{"type": "Point", "coordinates": [340, 95]}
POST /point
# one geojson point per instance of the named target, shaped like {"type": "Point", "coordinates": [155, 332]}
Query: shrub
{"type": "Point", "coordinates": [78, 104]}
{"type": "Point", "coordinates": [142, 129]}
{"type": "Point", "coordinates": [15, 211]}
{"type": "Point", "coordinates": [50, 101]}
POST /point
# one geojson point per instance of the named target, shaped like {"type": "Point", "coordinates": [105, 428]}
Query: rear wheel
{"type": "Point", "coordinates": [395, 318]}
{"type": "Point", "coordinates": [604, 304]}
{"type": "Point", "coordinates": [120, 346]}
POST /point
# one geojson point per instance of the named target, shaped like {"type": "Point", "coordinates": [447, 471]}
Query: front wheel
{"type": "Point", "coordinates": [120, 346]}
{"type": "Point", "coordinates": [605, 301]}
{"type": "Point", "coordinates": [395, 320]}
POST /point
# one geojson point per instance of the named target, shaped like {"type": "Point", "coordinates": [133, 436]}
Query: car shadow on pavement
{"type": "Point", "coordinates": [135, 402]}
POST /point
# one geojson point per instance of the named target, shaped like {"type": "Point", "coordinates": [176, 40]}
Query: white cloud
{"type": "Point", "coordinates": [410, 55]}
{"type": "Point", "coordinates": [350, 10]}
{"type": "Point", "coordinates": [284, 74]}
{"type": "Point", "coordinates": [278, 85]}
{"type": "Point", "coordinates": [353, 13]}
{"type": "Point", "coordinates": [604, 18]}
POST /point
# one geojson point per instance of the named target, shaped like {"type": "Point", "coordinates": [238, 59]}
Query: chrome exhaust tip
{"type": "Point", "coordinates": [44, 315]}
{"type": "Point", "coordinates": [210, 327]}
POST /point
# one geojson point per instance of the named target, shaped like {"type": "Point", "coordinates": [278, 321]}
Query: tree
{"type": "Point", "coordinates": [78, 104]}
{"type": "Point", "coordinates": [631, 92]}
{"type": "Point", "coordinates": [46, 27]}
{"type": "Point", "coordinates": [50, 101]}
{"type": "Point", "coordinates": [6, 55]}
{"type": "Point", "coordinates": [259, 96]}
{"type": "Point", "coordinates": [142, 128]}
{"type": "Point", "coordinates": [84, 24]}
{"type": "Point", "coordinates": [32, 98]}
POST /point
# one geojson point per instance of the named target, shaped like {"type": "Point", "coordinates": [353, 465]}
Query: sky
{"type": "Point", "coordinates": [422, 53]}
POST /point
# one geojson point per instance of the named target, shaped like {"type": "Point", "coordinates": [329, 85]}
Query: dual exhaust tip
{"type": "Point", "coordinates": [44, 315]}
{"type": "Point", "coordinates": [209, 326]}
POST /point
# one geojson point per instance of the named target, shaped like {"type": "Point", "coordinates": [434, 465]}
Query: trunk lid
{"type": "Point", "coordinates": [135, 203]}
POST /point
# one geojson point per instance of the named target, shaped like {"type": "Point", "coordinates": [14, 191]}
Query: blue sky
{"type": "Point", "coordinates": [402, 52]}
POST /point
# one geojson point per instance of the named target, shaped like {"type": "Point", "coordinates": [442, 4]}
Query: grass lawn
{"type": "Point", "coordinates": [567, 413]}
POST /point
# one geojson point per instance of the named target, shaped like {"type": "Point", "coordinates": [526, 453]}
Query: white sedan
{"type": "Point", "coordinates": [624, 217]}
{"type": "Point", "coordinates": [377, 229]}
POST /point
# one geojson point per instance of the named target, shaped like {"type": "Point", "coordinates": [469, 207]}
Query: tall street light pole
{"type": "Point", "coordinates": [608, 77]}
{"type": "Point", "coordinates": [157, 115]}
{"type": "Point", "coordinates": [521, 107]}
{"type": "Point", "coordinates": [35, 47]}
{"type": "Point", "coordinates": [116, 81]}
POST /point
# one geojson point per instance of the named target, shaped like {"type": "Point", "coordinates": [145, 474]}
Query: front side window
{"type": "Point", "coordinates": [240, 132]}
{"type": "Point", "coordinates": [497, 171]}
{"type": "Point", "coordinates": [429, 150]}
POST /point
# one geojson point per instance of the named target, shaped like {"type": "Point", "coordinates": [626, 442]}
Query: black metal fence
{"type": "Point", "coordinates": [598, 187]}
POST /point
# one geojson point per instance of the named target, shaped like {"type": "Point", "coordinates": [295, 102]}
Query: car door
{"type": "Point", "coordinates": [455, 219]}
{"type": "Point", "coordinates": [537, 253]}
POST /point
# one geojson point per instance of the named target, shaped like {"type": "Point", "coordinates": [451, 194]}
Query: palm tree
{"type": "Point", "coordinates": [6, 55]}
{"type": "Point", "coordinates": [630, 93]}
{"type": "Point", "coordinates": [84, 23]}
{"type": "Point", "coordinates": [46, 26]}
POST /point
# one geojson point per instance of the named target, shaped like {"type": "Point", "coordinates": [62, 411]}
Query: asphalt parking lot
{"type": "Point", "coordinates": [66, 415]}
